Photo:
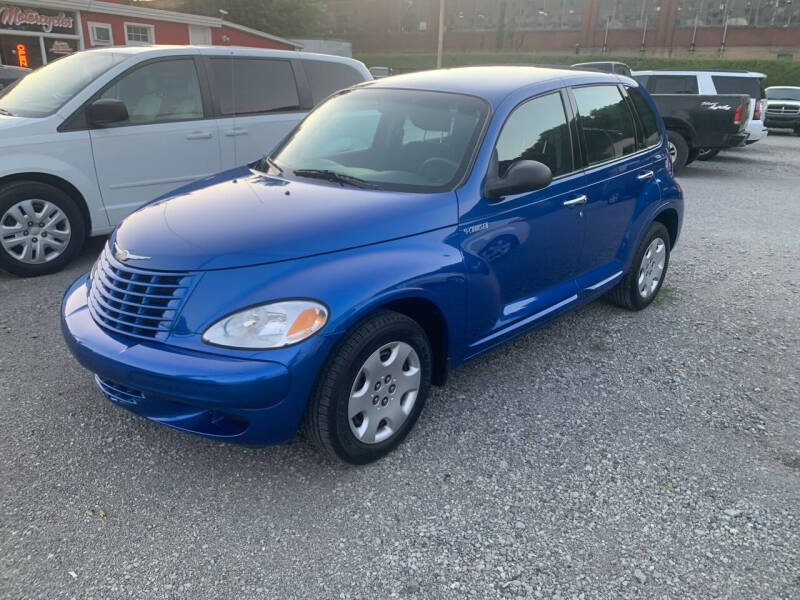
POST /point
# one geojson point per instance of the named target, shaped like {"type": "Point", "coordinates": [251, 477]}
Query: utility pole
{"type": "Point", "coordinates": [441, 35]}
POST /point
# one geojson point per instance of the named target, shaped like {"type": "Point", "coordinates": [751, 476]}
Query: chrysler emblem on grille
{"type": "Point", "coordinates": [122, 255]}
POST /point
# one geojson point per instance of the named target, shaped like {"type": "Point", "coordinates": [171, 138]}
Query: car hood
{"type": "Point", "coordinates": [244, 217]}
{"type": "Point", "coordinates": [7, 123]}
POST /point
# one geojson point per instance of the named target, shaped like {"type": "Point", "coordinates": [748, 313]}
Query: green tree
{"type": "Point", "coordinates": [278, 17]}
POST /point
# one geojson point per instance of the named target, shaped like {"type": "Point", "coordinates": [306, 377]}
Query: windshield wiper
{"type": "Point", "coordinates": [3, 111]}
{"type": "Point", "coordinates": [335, 177]}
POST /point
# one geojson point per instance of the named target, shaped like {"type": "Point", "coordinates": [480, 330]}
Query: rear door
{"type": "Point", "coordinates": [170, 138]}
{"type": "Point", "coordinates": [621, 170]}
{"type": "Point", "coordinates": [258, 103]}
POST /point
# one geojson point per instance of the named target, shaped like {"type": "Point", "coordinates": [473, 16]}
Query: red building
{"type": "Point", "coordinates": [34, 32]}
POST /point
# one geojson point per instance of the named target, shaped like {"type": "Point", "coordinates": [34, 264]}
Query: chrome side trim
{"type": "Point", "coordinates": [600, 284]}
{"type": "Point", "coordinates": [526, 321]}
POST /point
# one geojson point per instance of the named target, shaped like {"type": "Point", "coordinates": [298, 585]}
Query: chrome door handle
{"type": "Point", "coordinates": [579, 200]}
{"type": "Point", "coordinates": [235, 131]}
{"type": "Point", "coordinates": [199, 135]}
{"type": "Point", "coordinates": [645, 176]}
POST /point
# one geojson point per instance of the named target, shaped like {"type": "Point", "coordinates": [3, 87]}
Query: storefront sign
{"type": "Point", "coordinates": [28, 19]}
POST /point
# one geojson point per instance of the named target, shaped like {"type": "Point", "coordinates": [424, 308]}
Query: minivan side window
{"type": "Point", "coordinates": [536, 130]}
{"type": "Point", "coordinates": [327, 77]}
{"type": "Point", "coordinates": [651, 134]}
{"type": "Point", "coordinates": [248, 86]}
{"type": "Point", "coordinates": [160, 92]}
{"type": "Point", "coordinates": [606, 122]}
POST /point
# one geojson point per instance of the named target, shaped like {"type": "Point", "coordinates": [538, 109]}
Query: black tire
{"type": "Point", "coordinates": [692, 156]}
{"type": "Point", "coordinates": [708, 153]}
{"type": "Point", "coordinates": [797, 130]}
{"type": "Point", "coordinates": [326, 423]}
{"type": "Point", "coordinates": [18, 191]}
{"type": "Point", "coordinates": [626, 293]}
{"type": "Point", "coordinates": [681, 148]}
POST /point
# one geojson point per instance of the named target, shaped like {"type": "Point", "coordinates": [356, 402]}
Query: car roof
{"type": "Point", "coordinates": [165, 50]}
{"type": "Point", "coordinates": [791, 87]}
{"type": "Point", "coordinates": [735, 72]}
{"type": "Point", "coordinates": [493, 83]}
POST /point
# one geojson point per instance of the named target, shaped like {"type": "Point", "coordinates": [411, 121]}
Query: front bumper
{"type": "Point", "coordinates": [788, 121]}
{"type": "Point", "coordinates": [240, 400]}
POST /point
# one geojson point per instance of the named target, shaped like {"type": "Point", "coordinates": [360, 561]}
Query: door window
{"type": "Point", "coordinates": [160, 92]}
{"type": "Point", "coordinates": [671, 84]}
{"type": "Point", "coordinates": [650, 134]}
{"type": "Point", "coordinates": [327, 77]}
{"type": "Point", "coordinates": [606, 122]}
{"type": "Point", "coordinates": [248, 86]}
{"type": "Point", "coordinates": [536, 130]}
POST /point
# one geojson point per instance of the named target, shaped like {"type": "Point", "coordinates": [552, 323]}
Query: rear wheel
{"type": "Point", "coordinates": [372, 389]}
{"type": "Point", "coordinates": [678, 150]}
{"type": "Point", "coordinates": [693, 154]}
{"type": "Point", "coordinates": [707, 153]}
{"type": "Point", "coordinates": [797, 130]}
{"type": "Point", "coordinates": [643, 280]}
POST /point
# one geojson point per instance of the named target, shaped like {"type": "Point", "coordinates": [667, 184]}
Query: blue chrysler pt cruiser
{"type": "Point", "coordinates": [406, 226]}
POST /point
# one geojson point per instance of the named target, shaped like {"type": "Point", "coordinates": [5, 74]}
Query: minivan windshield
{"type": "Point", "coordinates": [47, 89]}
{"type": "Point", "coordinates": [391, 139]}
{"type": "Point", "coordinates": [783, 93]}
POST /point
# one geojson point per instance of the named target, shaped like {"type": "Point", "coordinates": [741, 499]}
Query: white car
{"type": "Point", "coordinates": [712, 82]}
{"type": "Point", "coordinates": [89, 138]}
{"type": "Point", "coordinates": [783, 107]}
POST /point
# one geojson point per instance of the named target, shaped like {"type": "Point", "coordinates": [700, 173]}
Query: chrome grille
{"type": "Point", "coordinates": [783, 109]}
{"type": "Point", "coordinates": [136, 302]}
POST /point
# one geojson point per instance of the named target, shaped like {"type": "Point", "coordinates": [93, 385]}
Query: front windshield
{"type": "Point", "coordinates": [785, 93]}
{"type": "Point", "coordinates": [47, 89]}
{"type": "Point", "coordinates": [390, 139]}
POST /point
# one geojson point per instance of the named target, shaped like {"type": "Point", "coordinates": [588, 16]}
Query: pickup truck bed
{"type": "Point", "coordinates": [694, 122]}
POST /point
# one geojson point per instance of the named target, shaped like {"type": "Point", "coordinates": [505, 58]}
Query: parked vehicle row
{"type": "Point", "coordinates": [89, 138]}
{"type": "Point", "coordinates": [407, 226]}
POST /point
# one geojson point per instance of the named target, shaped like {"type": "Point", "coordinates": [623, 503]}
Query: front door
{"type": "Point", "coordinates": [167, 141]}
{"type": "Point", "coordinates": [522, 251]}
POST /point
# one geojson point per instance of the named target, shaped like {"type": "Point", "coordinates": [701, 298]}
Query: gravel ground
{"type": "Point", "coordinates": [608, 455]}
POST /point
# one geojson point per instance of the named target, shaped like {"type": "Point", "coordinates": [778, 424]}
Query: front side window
{"type": "Point", "coordinates": [536, 130]}
{"type": "Point", "coordinates": [139, 35]}
{"type": "Point", "coordinates": [47, 89]}
{"type": "Point", "coordinates": [249, 86]}
{"type": "Point", "coordinates": [650, 134]}
{"type": "Point", "coordinates": [160, 92]}
{"type": "Point", "coordinates": [417, 141]}
{"type": "Point", "coordinates": [606, 122]}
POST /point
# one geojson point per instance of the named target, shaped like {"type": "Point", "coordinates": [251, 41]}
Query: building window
{"type": "Point", "coordinates": [628, 14]}
{"type": "Point", "coordinates": [137, 34]}
{"type": "Point", "coordinates": [100, 34]}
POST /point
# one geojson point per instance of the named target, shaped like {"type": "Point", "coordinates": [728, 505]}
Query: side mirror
{"type": "Point", "coordinates": [523, 176]}
{"type": "Point", "coordinates": [107, 111]}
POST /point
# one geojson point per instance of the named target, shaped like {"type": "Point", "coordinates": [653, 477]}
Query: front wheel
{"type": "Point", "coordinates": [642, 282]}
{"type": "Point", "coordinates": [372, 389]}
{"type": "Point", "coordinates": [41, 228]}
{"type": "Point", "coordinates": [707, 153]}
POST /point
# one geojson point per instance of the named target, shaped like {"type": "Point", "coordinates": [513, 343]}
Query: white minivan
{"type": "Point", "coordinates": [89, 138]}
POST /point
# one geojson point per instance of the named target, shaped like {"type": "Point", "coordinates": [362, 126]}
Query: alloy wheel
{"type": "Point", "coordinates": [384, 392]}
{"type": "Point", "coordinates": [34, 231]}
{"type": "Point", "coordinates": [672, 151]}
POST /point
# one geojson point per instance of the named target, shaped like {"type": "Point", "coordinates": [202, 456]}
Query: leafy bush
{"type": "Point", "coordinates": [779, 72]}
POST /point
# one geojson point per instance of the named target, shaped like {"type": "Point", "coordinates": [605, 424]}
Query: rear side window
{"type": "Point", "coordinates": [650, 134]}
{"type": "Point", "coordinates": [726, 84]}
{"type": "Point", "coordinates": [671, 84]}
{"type": "Point", "coordinates": [536, 130]}
{"type": "Point", "coordinates": [606, 122]}
{"type": "Point", "coordinates": [247, 86]}
{"type": "Point", "coordinates": [326, 77]}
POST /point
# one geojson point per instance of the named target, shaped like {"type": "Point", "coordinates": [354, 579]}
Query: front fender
{"type": "Point", "coordinates": [351, 283]}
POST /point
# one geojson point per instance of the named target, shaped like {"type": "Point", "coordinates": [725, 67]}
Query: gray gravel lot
{"type": "Point", "coordinates": [608, 455]}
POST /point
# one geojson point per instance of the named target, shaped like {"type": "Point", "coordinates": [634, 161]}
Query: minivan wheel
{"type": "Point", "coordinates": [41, 228]}
{"type": "Point", "coordinates": [678, 150]}
{"type": "Point", "coordinates": [642, 282]}
{"type": "Point", "coordinates": [371, 390]}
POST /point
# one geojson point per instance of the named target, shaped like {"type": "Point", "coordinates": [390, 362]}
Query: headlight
{"type": "Point", "coordinates": [269, 325]}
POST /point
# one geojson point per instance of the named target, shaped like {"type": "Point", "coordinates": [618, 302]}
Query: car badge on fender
{"type": "Point", "coordinates": [122, 255]}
